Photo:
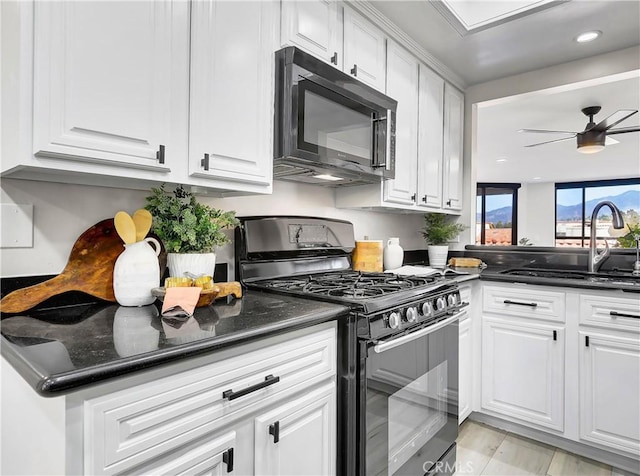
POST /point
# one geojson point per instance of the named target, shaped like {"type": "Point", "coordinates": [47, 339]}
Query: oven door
{"type": "Point", "coordinates": [410, 396]}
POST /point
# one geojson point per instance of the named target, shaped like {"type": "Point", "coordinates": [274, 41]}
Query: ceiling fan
{"type": "Point", "coordinates": [594, 137]}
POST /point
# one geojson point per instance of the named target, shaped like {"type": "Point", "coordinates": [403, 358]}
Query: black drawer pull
{"type": "Point", "coordinates": [334, 58]}
{"type": "Point", "coordinates": [205, 162]}
{"type": "Point", "coordinates": [517, 303]}
{"type": "Point", "coordinates": [354, 70]}
{"type": "Point", "coordinates": [274, 429]}
{"type": "Point", "coordinates": [160, 154]}
{"type": "Point", "coordinates": [555, 335]}
{"type": "Point", "coordinates": [268, 380]}
{"type": "Point", "coordinates": [227, 458]}
{"type": "Point", "coordinates": [623, 314]}
{"type": "Point", "coordinates": [586, 341]}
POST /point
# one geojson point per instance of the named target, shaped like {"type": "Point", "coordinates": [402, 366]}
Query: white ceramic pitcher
{"type": "Point", "coordinates": [393, 254]}
{"type": "Point", "coordinates": [137, 271]}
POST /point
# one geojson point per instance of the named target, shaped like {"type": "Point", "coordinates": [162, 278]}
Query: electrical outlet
{"type": "Point", "coordinates": [16, 225]}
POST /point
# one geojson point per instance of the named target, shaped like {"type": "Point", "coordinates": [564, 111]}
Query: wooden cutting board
{"type": "Point", "coordinates": [89, 269]}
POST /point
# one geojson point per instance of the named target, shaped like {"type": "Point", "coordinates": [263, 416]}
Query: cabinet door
{"type": "Point", "coordinates": [298, 437]}
{"type": "Point", "coordinates": [104, 73]}
{"type": "Point", "coordinates": [314, 26]}
{"type": "Point", "coordinates": [453, 138]}
{"type": "Point", "coordinates": [523, 371]}
{"type": "Point", "coordinates": [465, 364]}
{"type": "Point", "coordinates": [231, 113]}
{"type": "Point", "coordinates": [610, 391]}
{"type": "Point", "coordinates": [430, 138]}
{"type": "Point", "coordinates": [213, 456]}
{"type": "Point", "coordinates": [364, 50]}
{"type": "Point", "coordinates": [402, 85]}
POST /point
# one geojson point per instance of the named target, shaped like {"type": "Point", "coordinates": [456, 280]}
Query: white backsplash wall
{"type": "Point", "coordinates": [61, 212]}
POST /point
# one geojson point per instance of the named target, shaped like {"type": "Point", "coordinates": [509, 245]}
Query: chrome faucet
{"type": "Point", "coordinates": [596, 259]}
{"type": "Point", "coordinates": [636, 265]}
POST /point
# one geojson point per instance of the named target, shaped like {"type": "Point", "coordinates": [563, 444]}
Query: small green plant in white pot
{"type": "Point", "coordinates": [437, 232]}
{"type": "Point", "coordinates": [189, 230]}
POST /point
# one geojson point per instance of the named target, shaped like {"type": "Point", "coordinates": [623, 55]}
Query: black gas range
{"type": "Point", "coordinates": [400, 336]}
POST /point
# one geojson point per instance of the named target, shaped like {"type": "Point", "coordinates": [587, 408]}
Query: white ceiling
{"type": "Point", "coordinates": [530, 41]}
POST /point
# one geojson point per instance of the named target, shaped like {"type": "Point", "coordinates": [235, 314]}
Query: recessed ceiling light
{"type": "Point", "coordinates": [501, 159]}
{"type": "Point", "coordinates": [536, 178]}
{"type": "Point", "coordinates": [588, 36]}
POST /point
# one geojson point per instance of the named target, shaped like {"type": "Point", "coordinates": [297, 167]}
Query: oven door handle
{"type": "Point", "coordinates": [382, 346]}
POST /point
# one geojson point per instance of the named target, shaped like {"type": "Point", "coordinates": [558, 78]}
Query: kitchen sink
{"type": "Point", "coordinates": [615, 278]}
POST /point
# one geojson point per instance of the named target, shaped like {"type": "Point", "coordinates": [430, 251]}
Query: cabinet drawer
{"type": "Point", "coordinates": [531, 303]}
{"type": "Point", "coordinates": [611, 312]}
{"type": "Point", "coordinates": [127, 428]}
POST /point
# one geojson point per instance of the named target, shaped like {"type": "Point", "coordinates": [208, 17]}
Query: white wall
{"type": "Point", "coordinates": [536, 213]}
{"type": "Point", "coordinates": [62, 212]}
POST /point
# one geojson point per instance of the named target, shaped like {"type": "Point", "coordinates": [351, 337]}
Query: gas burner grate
{"type": "Point", "coordinates": [350, 284]}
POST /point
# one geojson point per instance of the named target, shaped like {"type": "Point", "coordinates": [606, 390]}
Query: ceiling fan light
{"type": "Point", "coordinates": [590, 149]}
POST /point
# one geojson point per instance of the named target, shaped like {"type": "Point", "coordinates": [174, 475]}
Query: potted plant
{"type": "Point", "coordinates": [189, 230]}
{"type": "Point", "coordinates": [437, 231]}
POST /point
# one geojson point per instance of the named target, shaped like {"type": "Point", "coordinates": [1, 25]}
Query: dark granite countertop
{"type": "Point", "coordinates": [58, 350]}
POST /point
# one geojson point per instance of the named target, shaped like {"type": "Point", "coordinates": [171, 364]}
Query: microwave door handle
{"type": "Point", "coordinates": [387, 152]}
{"type": "Point", "coordinates": [390, 344]}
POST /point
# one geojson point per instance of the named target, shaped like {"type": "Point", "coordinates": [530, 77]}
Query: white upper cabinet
{"type": "Point", "coordinates": [110, 79]}
{"type": "Point", "coordinates": [402, 85]}
{"type": "Point", "coordinates": [364, 50]}
{"type": "Point", "coordinates": [315, 26]}
{"type": "Point", "coordinates": [231, 94]}
{"type": "Point", "coordinates": [430, 139]}
{"type": "Point", "coordinates": [453, 139]}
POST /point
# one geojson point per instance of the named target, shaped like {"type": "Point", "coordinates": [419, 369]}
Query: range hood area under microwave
{"type": "Point", "coordinates": [330, 128]}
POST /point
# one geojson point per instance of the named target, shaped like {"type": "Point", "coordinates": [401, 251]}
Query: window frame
{"type": "Point", "coordinates": [506, 186]}
{"type": "Point", "coordinates": [584, 185]}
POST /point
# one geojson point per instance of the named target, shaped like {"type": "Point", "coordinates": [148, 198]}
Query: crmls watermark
{"type": "Point", "coordinates": [446, 467]}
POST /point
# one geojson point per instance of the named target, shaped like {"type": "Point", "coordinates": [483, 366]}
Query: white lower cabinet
{"type": "Point", "coordinates": [284, 436]}
{"type": "Point", "coordinates": [214, 414]}
{"type": "Point", "coordinates": [465, 364]}
{"type": "Point", "coordinates": [609, 388]}
{"type": "Point", "coordinates": [523, 370]}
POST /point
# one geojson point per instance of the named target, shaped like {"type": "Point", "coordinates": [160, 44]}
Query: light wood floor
{"type": "Point", "coordinates": [483, 450]}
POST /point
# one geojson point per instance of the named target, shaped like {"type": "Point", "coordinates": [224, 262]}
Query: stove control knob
{"type": "Point", "coordinates": [394, 320]}
{"type": "Point", "coordinates": [441, 304]}
{"type": "Point", "coordinates": [452, 300]}
{"type": "Point", "coordinates": [412, 314]}
{"type": "Point", "coordinates": [427, 309]}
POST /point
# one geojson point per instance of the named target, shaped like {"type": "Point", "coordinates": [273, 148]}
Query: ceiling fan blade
{"type": "Point", "coordinates": [550, 141]}
{"type": "Point", "coordinates": [615, 118]}
{"type": "Point", "coordinates": [610, 141]}
{"type": "Point", "coordinates": [622, 130]}
{"type": "Point", "coordinates": [542, 131]}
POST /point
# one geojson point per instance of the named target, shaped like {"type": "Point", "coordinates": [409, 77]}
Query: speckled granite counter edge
{"type": "Point", "coordinates": [58, 384]}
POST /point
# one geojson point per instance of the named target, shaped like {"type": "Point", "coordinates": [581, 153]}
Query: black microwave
{"type": "Point", "coordinates": [330, 128]}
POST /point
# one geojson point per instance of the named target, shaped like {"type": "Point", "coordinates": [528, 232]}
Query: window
{"type": "Point", "coordinates": [575, 202]}
{"type": "Point", "coordinates": [497, 214]}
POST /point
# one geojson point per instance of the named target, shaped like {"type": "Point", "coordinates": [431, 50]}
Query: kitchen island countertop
{"type": "Point", "coordinates": [59, 350]}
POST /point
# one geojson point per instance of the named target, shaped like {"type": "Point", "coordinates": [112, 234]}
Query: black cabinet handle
{"type": "Point", "coordinates": [623, 314]}
{"type": "Point", "coordinates": [586, 341]}
{"type": "Point", "coordinates": [334, 58]}
{"type": "Point", "coordinates": [354, 70]}
{"type": "Point", "coordinates": [268, 380]}
{"type": "Point", "coordinates": [227, 458]}
{"type": "Point", "coordinates": [555, 335]}
{"type": "Point", "coordinates": [424, 199]}
{"type": "Point", "coordinates": [205, 162]}
{"type": "Point", "coordinates": [517, 303]}
{"type": "Point", "coordinates": [448, 203]}
{"type": "Point", "coordinates": [413, 197]}
{"type": "Point", "coordinates": [274, 429]}
{"type": "Point", "coordinates": [160, 154]}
